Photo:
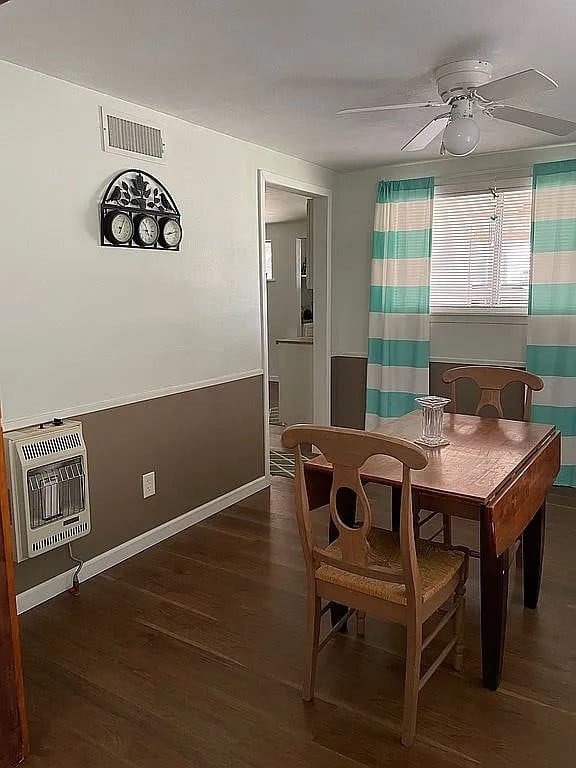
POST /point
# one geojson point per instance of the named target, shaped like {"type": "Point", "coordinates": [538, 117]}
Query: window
{"type": "Point", "coordinates": [481, 251]}
{"type": "Point", "coordinates": [268, 257]}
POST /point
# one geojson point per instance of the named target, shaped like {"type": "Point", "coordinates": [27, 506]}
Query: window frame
{"type": "Point", "coordinates": [470, 186]}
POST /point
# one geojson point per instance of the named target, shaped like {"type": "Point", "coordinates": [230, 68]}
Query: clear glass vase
{"type": "Point", "coordinates": [432, 421]}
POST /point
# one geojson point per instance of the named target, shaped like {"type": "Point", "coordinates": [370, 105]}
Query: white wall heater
{"type": "Point", "coordinates": [48, 480]}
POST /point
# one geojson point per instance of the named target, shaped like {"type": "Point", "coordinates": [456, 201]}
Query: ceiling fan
{"type": "Point", "coordinates": [467, 90]}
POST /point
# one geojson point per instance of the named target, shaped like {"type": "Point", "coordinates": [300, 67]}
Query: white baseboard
{"type": "Point", "coordinates": [63, 581]}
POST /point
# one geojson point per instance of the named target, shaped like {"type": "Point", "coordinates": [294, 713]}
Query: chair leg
{"type": "Point", "coordinates": [460, 596]}
{"type": "Point", "coordinates": [447, 528]}
{"type": "Point", "coordinates": [412, 681]}
{"type": "Point", "coordinates": [360, 623]}
{"type": "Point", "coordinates": [312, 642]}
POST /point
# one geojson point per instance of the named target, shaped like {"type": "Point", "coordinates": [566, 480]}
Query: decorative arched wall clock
{"type": "Point", "coordinates": [137, 211]}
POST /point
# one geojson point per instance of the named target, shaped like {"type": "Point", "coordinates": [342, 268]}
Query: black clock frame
{"type": "Point", "coordinates": [137, 237]}
{"type": "Point", "coordinates": [137, 193]}
{"type": "Point", "coordinates": [162, 223]}
{"type": "Point", "coordinates": [107, 227]}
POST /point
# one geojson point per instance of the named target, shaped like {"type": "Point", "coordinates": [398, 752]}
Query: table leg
{"type": "Point", "coordinates": [396, 503]}
{"type": "Point", "coordinates": [533, 553]}
{"type": "Point", "coordinates": [347, 512]}
{"type": "Point", "coordinates": [494, 606]}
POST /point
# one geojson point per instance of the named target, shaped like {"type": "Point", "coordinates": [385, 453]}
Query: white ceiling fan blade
{"type": "Point", "coordinates": [427, 134]}
{"type": "Point", "coordinates": [386, 107]}
{"type": "Point", "coordinates": [520, 84]}
{"type": "Point", "coordinates": [545, 123]}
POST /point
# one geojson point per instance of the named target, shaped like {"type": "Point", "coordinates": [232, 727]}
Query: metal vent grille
{"type": "Point", "coordinates": [51, 446]}
{"type": "Point", "coordinates": [128, 136]}
{"type": "Point", "coordinates": [56, 491]}
{"type": "Point", "coordinates": [70, 532]}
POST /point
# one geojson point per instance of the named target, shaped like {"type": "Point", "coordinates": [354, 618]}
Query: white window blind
{"type": "Point", "coordinates": [481, 251]}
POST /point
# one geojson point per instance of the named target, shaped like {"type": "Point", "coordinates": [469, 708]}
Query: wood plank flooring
{"type": "Point", "coordinates": [190, 654]}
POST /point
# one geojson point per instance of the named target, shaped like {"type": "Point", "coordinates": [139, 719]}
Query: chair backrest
{"type": "Point", "coordinates": [491, 381]}
{"type": "Point", "coordinates": [347, 450]}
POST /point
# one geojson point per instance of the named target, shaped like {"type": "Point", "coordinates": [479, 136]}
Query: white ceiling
{"type": "Point", "coordinates": [283, 206]}
{"type": "Point", "coordinates": [275, 72]}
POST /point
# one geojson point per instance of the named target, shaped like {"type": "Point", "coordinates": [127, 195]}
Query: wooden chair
{"type": "Point", "coordinates": [375, 571]}
{"type": "Point", "coordinates": [491, 381]}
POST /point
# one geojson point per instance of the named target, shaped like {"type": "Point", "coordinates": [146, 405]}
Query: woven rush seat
{"type": "Point", "coordinates": [437, 567]}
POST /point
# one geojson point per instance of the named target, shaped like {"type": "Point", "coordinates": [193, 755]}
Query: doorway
{"type": "Point", "coordinates": [295, 252]}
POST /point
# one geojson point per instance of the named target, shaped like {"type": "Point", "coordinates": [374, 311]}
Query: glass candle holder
{"type": "Point", "coordinates": [432, 420]}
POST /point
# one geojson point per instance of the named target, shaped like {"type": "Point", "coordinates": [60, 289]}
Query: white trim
{"type": "Point", "coordinates": [63, 581]}
{"type": "Point", "coordinates": [274, 378]}
{"type": "Point", "coordinates": [296, 186]}
{"type": "Point", "coordinates": [470, 361]}
{"type": "Point", "coordinates": [264, 318]}
{"type": "Point", "coordinates": [114, 402]}
{"type": "Point", "coordinates": [322, 277]}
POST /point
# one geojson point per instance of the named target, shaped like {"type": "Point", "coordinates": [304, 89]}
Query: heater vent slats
{"type": "Point", "coordinates": [66, 534]}
{"type": "Point", "coordinates": [51, 446]}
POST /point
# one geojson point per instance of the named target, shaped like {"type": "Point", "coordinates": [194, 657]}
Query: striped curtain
{"type": "Point", "coordinates": [551, 350]}
{"type": "Point", "coordinates": [399, 326]}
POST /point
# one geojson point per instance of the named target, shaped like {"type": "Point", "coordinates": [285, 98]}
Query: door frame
{"type": "Point", "coordinates": [10, 651]}
{"type": "Point", "coordinates": [321, 247]}
{"type": "Point", "coordinates": [298, 263]}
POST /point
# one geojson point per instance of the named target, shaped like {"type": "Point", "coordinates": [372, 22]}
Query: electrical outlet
{"type": "Point", "coordinates": [148, 484]}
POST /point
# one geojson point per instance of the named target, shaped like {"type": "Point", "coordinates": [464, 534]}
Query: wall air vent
{"type": "Point", "coordinates": [123, 135]}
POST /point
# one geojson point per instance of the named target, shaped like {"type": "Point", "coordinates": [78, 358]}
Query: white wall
{"type": "Point", "coordinates": [453, 338]}
{"type": "Point", "coordinates": [83, 326]}
{"type": "Point", "coordinates": [283, 320]}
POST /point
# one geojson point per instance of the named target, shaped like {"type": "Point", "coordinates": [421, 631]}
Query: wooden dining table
{"type": "Point", "coordinates": [494, 471]}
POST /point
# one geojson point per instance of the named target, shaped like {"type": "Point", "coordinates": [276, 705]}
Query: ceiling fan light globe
{"type": "Point", "coordinates": [461, 136]}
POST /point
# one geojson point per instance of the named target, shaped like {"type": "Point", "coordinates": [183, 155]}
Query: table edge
{"type": "Point", "coordinates": [480, 500]}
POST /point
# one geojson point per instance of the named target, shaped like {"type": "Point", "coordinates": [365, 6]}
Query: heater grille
{"type": "Point", "coordinates": [51, 446]}
{"type": "Point", "coordinates": [56, 491]}
{"type": "Point", "coordinates": [66, 534]}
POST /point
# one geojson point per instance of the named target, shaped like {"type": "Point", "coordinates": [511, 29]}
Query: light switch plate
{"type": "Point", "coordinates": [148, 484]}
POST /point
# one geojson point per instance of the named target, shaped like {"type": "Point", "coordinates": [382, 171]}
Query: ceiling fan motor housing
{"type": "Point", "coordinates": [460, 77]}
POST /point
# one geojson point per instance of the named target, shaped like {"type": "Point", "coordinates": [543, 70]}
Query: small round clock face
{"type": "Point", "coordinates": [119, 228]}
{"type": "Point", "coordinates": [146, 230]}
{"type": "Point", "coordinates": [170, 233]}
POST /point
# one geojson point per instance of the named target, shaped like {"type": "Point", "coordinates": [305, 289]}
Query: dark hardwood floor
{"type": "Point", "coordinates": [190, 654]}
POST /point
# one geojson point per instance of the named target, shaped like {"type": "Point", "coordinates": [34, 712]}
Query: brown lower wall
{"type": "Point", "coordinates": [349, 392]}
{"type": "Point", "coordinates": [201, 444]}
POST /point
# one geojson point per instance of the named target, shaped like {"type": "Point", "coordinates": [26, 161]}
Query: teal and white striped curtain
{"type": "Point", "coordinates": [551, 350]}
{"type": "Point", "coordinates": [399, 327]}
